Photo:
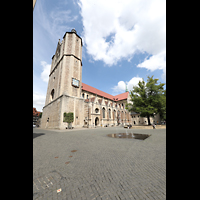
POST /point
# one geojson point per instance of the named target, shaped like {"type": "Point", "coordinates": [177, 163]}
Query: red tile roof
{"type": "Point", "coordinates": [35, 112]}
{"type": "Point", "coordinates": [104, 94]}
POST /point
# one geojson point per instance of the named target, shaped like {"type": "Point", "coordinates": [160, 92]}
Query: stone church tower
{"type": "Point", "coordinates": [66, 93]}
{"type": "Point", "coordinates": [64, 86]}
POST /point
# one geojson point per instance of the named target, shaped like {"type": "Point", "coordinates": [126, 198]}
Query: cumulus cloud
{"type": "Point", "coordinates": [46, 71]}
{"type": "Point", "coordinates": [133, 82]}
{"type": "Point", "coordinates": [113, 30]}
{"type": "Point", "coordinates": [121, 86]}
{"type": "Point", "coordinates": [38, 101]}
{"type": "Point", "coordinates": [157, 61]}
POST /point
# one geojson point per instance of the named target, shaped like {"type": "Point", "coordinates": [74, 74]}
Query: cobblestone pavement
{"type": "Point", "coordinates": [101, 167]}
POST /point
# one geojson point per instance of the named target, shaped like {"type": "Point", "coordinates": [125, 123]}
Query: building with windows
{"type": "Point", "coordinates": [66, 93]}
{"type": "Point", "coordinates": [36, 115]}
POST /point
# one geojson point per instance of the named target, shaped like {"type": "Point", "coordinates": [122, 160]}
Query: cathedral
{"type": "Point", "coordinates": [66, 93]}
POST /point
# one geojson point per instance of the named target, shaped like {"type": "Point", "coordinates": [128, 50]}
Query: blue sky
{"type": "Point", "coordinates": [123, 41]}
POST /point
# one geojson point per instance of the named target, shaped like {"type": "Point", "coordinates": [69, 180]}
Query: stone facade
{"type": "Point", "coordinates": [67, 93]}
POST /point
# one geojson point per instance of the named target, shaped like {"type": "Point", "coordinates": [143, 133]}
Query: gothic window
{"type": "Point", "coordinates": [52, 95]}
{"type": "Point", "coordinates": [96, 110]}
{"type": "Point", "coordinates": [83, 95]}
{"type": "Point", "coordinates": [103, 112]}
{"type": "Point", "coordinates": [87, 96]}
{"type": "Point", "coordinates": [109, 113]}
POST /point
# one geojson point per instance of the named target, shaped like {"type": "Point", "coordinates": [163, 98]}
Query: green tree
{"type": "Point", "coordinates": [148, 99]}
{"type": "Point", "coordinates": [69, 118]}
{"type": "Point", "coordinates": [40, 115]}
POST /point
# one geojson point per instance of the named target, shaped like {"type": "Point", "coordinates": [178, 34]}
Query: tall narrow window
{"type": "Point", "coordinates": [52, 95]}
{"type": "Point", "coordinates": [109, 113]}
{"type": "Point", "coordinates": [103, 112]}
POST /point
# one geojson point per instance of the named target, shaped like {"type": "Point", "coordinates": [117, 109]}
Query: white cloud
{"type": "Point", "coordinates": [118, 29]}
{"type": "Point", "coordinates": [56, 21]}
{"type": "Point", "coordinates": [157, 61]}
{"type": "Point", "coordinates": [133, 82]}
{"type": "Point", "coordinates": [121, 86]}
{"type": "Point", "coordinates": [38, 101]}
{"type": "Point", "coordinates": [46, 71]}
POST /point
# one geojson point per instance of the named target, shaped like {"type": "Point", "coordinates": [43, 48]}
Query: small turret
{"type": "Point", "coordinates": [126, 88]}
{"type": "Point", "coordinates": [73, 30]}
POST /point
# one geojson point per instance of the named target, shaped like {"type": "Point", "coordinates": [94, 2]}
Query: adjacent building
{"type": "Point", "coordinates": [36, 115]}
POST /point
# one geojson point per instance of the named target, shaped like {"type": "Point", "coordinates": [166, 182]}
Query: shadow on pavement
{"type": "Point", "coordinates": [37, 135]}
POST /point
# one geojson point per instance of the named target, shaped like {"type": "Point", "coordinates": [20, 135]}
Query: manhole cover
{"type": "Point", "coordinates": [129, 136]}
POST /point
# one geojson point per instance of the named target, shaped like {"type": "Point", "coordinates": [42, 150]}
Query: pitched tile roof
{"type": "Point", "coordinates": [35, 112]}
{"type": "Point", "coordinates": [93, 90]}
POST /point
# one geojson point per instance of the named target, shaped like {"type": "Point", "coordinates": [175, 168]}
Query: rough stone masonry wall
{"type": "Point", "coordinates": [52, 111]}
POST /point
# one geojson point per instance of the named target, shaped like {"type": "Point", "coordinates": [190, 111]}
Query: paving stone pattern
{"type": "Point", "coordinates": [101, 168]}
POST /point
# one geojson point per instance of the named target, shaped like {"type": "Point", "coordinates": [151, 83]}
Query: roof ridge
{"type": "Point", "coordinates": [104, 94]}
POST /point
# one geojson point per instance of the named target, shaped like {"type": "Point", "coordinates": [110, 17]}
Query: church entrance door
{"type": "Point", "coordinates": [96, 121]}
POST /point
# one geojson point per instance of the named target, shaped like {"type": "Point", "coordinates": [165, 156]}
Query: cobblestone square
{"type": "Point", "coordinates": [87, 165]}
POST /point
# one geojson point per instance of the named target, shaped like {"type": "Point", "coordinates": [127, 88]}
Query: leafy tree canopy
{"type": "Point", "coordinates": [68, 117]}
{"type": "Point", "coordinates": [148, 99]}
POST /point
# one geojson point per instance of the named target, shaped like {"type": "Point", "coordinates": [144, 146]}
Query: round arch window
{"type": "Point", "coordinates": [96, 110]}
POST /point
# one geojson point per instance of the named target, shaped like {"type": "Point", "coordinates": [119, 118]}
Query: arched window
{"type": "Point", "coordinates": [114, 114]}
{"type": "Point", "coordinates": [83, 95]}
{"type": "Point", "coordinates": [103, 110]}
{"type": "Point", "coordinates": [109, 112]}
{"type": "Point", "coordinates": [52, 95]}
{"type": "Point", "coordinates": [96, 110]}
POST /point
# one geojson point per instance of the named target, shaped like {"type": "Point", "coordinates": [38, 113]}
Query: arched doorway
{"type": "Point", "coordinates": [96, 121]}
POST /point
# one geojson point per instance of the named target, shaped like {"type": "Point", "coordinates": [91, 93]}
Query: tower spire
{"type": "Point", "coordinates": [126, 88]}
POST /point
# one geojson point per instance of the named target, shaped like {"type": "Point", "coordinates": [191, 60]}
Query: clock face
{"type": "Point", "coordinates": [75, 82]}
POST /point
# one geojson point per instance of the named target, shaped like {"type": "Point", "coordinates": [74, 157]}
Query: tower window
{"type": "Point", "coordinates": [52, 95]}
